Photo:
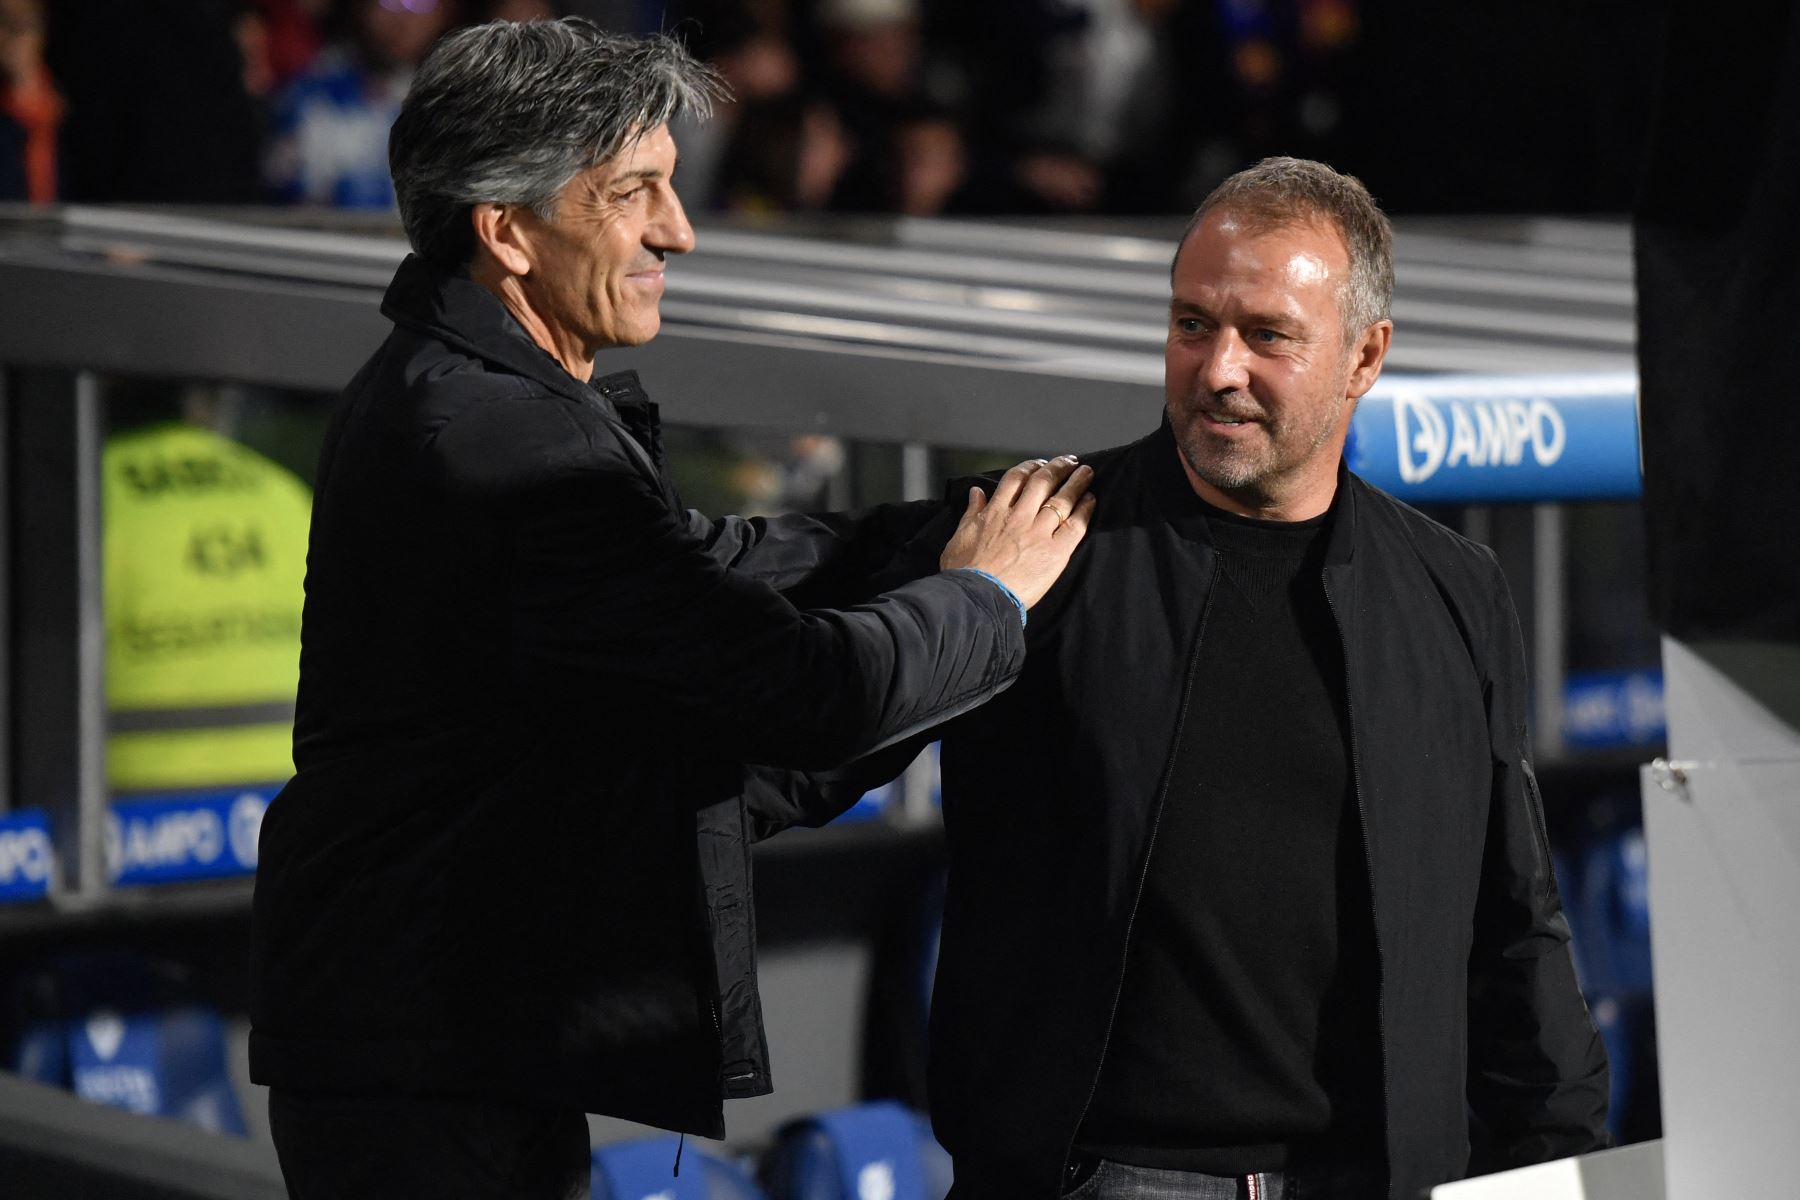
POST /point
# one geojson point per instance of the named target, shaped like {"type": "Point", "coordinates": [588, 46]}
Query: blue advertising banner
{"type": "Point", "coordinates": [27, 861]}
{"type": "Point", "coordinates": [1475, 439]}
{"type": "Point", "coordinates": [1606, 710]}
{"type": "Point", "coordinates": [198, 835]}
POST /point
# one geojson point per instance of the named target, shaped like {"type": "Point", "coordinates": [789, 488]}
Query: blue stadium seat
{"type": "Point", "coordinates": [161, 1064]}
{"type": "Point", "coordinates": [1609, 913]}
{"type": "Point", "coordinates": [879, 1151]}
{"type": "Point", "coordinates": [1614, 915]}
{"type": "Point", "coordinates": [109, 1037]}
{"type": "Point", "coordinates": [645, 1170]}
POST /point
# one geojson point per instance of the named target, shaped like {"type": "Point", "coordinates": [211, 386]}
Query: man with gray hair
{"type": "Point", "coordinates": [509, 883]}
{"type": "Point", "coordinates": [1249, 893]}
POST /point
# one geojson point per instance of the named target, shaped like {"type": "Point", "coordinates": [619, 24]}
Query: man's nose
{"type": "Point", "coordinates": [1227, 363]}
{"type": "Point", "coordinates": [669, 232]}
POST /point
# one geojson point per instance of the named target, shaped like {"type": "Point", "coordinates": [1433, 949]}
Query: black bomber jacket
{"type": "Point", "coordinates": [1052, 794]}
{"type": "Point", "coordinates": [513, 863]}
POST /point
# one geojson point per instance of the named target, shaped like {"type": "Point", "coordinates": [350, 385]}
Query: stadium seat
{"type": "Point", "coordinates": [1614, 915]}
{"type": "Point", "coordinates": [878, 1151]}
{"type": "Point", "coordinates": [167, 1064]}
{"type": "Point", "coordinates": [108, 1028]}
{"type": "Point", "coordinates": [645, 1170]}
{"type": "Point", "coordinates": [1609, 912]}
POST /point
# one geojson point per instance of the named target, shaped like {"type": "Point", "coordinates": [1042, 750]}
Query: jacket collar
{"type": "Point", "coordinates": [1187, 514]}
{"type": "Point", "coordinates": [454, 309]}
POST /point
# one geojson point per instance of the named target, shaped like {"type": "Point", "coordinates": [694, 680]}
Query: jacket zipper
{"type": "Point", "coordinates": [719, 1036]}
{"type": "Point", "coordinates": [1362, 812]}
{"type": "Point", "coordinates": [1162, 796]}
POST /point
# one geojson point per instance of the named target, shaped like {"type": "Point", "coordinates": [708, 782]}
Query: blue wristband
{"type": "Point", "coordinates": [1010, 594]}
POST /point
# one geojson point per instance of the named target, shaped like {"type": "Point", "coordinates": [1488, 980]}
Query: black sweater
{"type": "Point", "coordinates": [1244, 1034]}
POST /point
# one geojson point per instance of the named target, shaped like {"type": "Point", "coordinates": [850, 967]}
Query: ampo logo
{"type": "Point", "coordinates": [1478, 433]}
{"type": "Point", "coordinates": [25, 857]}
{"type": "Point", "coordinates": [183, 837]}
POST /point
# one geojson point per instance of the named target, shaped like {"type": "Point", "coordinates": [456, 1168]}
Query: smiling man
{"type": "Point", "coordinates": [1249, 894]}
{"type": "Point", "coordinates": [509, 883]}
{"type": "Point", "coordinates": [1274, 332]}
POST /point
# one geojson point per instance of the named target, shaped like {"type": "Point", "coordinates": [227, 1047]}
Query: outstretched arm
{"type": "Point", "coordinates": [609, 588]}
{"type": "Point", "coordinates": [826, 553]}
{"type": "Point", "coordinates": [780, 799]}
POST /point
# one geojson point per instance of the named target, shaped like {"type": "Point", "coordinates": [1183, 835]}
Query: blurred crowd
{"type": "Point", "coordinates": [898, 106]}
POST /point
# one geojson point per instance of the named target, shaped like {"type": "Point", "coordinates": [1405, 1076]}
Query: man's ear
{"type": "Point", "coordinates": [1367, 355]}
{"type": "Point", "coordinates": [503, 230]}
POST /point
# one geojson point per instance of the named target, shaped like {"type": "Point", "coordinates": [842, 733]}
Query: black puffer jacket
{"type": "Point", "coordinates": [1052, 795]}
{"type": "Point", "coordinates": [514, 860]}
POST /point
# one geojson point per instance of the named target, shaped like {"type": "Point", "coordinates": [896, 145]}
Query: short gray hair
{"type": "Point", "coordinates": [1278, 193]}
{"type": "Point", "coordinates": [508, 113]}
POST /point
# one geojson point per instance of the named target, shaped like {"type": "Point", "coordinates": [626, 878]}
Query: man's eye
{"type": "Point", "coordinates": [1188, 324]}
{"type": "Point", "coordinates": [1267, 337]}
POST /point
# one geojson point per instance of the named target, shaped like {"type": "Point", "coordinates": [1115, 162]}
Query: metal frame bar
{"type": "Point", "coordinates": [1513, 297]}
{"type": "Point", "coordinates": [1550, 599]}
{"type": "Point", "coordinates": [58, 664]}
{"type": "Point", "coordinates": [7, 698]}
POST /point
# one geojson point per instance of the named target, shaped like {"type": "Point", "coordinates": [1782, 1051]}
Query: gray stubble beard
{"type": "Point", "coordinates": [1247, 475]}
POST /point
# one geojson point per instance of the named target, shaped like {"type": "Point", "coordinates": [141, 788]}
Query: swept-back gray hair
{"type": "Point", "coordinates": [1280, 192]}
{"type": "Point", "coordinates": [507, 113]}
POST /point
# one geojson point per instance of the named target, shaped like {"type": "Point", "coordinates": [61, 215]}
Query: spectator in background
{"type": "Point", "coordinates": [753, 155]}
{"type": "Point", "coordinates": [204, 549]}
{"type": "Point", "coordinates": [1134, 105]}
{"type": "Point", "coordinates": [330, 125]}
{"type": "Point", "coordinates": [929, 163]}
{"type": "Point", "coordinates": [156, 109]}
{"type": "Point", "coordinates": [31, 108]}
{"type": "Point", "coordinates": [290, 36]}
{"type": "Point", "coordinates": [1237, 80]}
{"type": "Point", "coordinates": [1023, 72]}
{"type": "Point", "coordinates": [828, 114]}
{"type": "Point", "coordinates": [905, 149]}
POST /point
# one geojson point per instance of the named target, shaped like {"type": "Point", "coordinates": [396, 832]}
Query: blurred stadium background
{"type": "Point", "coordinates": [933, 236]}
